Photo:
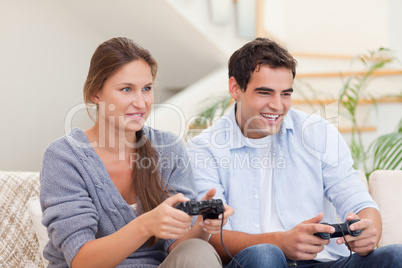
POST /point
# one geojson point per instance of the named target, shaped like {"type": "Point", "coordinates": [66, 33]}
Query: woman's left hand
{"type": "Point", "coordinates": [213, 226]}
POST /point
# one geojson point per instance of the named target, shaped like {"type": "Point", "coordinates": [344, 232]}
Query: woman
{"type": "Point", "coordinates": [108, 193]}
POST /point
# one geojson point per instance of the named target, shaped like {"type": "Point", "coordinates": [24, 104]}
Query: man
{"type": "Point", "coordinates": [283, 172]}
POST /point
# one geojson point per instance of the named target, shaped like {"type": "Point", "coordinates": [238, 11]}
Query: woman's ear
{"type": "Point", "coordinates": [95, 99]}
{"type": "Point", "coordinates": [234, 88]}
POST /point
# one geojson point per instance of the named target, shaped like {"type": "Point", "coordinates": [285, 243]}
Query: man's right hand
{"type": "Point", "coordinates": [300, 243]}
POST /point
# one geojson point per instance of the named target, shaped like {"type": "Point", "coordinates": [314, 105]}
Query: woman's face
{"type": "Point", "coordinates": [125, 100]}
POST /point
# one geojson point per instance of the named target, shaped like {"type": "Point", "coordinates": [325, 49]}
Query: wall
{"type": "Point", "coordinates": [394, 22]}
{"type": "Point", "coordinates": [45, 47]}
{"type": "Point", "coordinates": [45, 50]}
{"type": "Point", "coordinates": [340, 27]}
{"type": "Point", "coordinates": [222, 35]}
{"type": "Point", "coordinates": [183, 53]}
{"type": "Point", "coordinates": [44, 54]}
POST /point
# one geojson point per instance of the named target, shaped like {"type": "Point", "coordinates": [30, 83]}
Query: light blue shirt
{"type": "Point", "coordinates": [311, 173]}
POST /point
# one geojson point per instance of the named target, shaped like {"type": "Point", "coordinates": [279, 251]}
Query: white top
{"type": "Point", "coordinates": [134, 208]}
{"type": "Point", "coordinates": [269, 215]}
{"type": "Point", "coordinates": [270, 221]}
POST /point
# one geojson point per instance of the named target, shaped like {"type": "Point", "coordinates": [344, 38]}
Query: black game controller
{"type": "Point", "coordinates": [339, 227]}
{"type": "Point", "coordinates": [209, 209]}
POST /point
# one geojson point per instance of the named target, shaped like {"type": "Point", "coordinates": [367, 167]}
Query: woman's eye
{"type": "Point", "coordinates": [147, 88]}
{"type": "Point", "coordinates": [126, 89]}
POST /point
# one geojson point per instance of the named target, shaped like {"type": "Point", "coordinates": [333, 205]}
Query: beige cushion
{"type": "Point", "coordinates": [363, 179]}
{"type": "Point", "coordinates": [35, 212]}
{"type": "Point", "coordinates": [386, 190]}
{"type": "Point", "coordinates": [18, 243]}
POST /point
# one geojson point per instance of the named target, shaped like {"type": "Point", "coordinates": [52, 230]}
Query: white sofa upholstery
{"type": "Point", "coordinates": [22, 237]}
{"type": "Point", "coordinates": [386, 189]}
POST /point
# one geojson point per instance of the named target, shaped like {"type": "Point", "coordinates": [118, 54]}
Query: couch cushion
{"type": "Point", "coordinates": [35, 212]}
{"type": "Point", "coordinates": [18, 242]}
{"type": "Point", "coordinates": [385, 188]}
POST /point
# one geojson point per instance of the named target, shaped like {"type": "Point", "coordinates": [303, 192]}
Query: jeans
{"type": "Point", "coordinates": [383, 257]}
{"type": "Point", "coordinates": [262, 255]}
{"type": "Point", "coordinates": [267, 255]}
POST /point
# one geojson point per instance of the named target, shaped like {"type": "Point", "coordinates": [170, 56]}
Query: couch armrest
{"type": "Point", "coordinates": [363, 179]}
{"type": "Point", "coordinates": [385, 187]}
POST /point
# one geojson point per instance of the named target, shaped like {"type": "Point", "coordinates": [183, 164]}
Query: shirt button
{"type": "Point", "coordinates": [257, 196]}
{"type": "Point", "coordinates": [256, 225]}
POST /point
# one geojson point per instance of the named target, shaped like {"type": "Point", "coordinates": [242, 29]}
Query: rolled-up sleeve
{"type": "Point", "coordinates": [206, 171]}
{"type": "Point", "coordinates": [342, 185]}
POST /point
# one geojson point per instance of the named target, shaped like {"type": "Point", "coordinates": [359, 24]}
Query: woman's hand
{"type": "Point", "coordinates": [203, 229]}
{"type": "Point", "coordinates": [213, 226]}
{"type": "Point", "coordinates": [167, 222]}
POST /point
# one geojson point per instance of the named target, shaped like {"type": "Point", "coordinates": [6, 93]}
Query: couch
{"type": "Point", "coordinates": [19, 243]}
{"type": "Point", "coordinates": [22, 236]}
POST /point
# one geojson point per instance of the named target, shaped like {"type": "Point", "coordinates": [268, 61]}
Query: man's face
{"type": "Point", "coordinates": [261, 109]}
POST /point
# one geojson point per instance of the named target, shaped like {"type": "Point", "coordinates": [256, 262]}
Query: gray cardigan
{"type": "Point", "coordinates": [80, 202]}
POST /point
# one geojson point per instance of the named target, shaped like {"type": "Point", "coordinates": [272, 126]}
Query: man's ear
{"type": "Point", "coordinates": [234, 88]}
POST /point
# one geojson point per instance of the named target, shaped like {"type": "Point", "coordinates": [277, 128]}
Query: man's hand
{"type": "Point", "coordinates": [300, 243]}
{"type": "Point", "coordinates": [213, 226]}
{"type": "Point", "coordinates": [364, 243]}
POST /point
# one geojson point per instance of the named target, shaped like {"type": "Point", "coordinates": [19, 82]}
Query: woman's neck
{"type": "Point", "coordinates": [120, 144]}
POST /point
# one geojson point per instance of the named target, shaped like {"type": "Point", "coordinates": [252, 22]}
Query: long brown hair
{"type": "Point", "coordinates": [107, 59]}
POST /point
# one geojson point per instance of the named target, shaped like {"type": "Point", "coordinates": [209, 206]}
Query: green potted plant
{"type": "Point", "coordinates": [386, 151]}
{"type": "Point", "coordinates": [353, 90]}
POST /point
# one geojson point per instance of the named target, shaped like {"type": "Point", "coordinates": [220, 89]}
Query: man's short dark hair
{"type": "Point", "coordinates": [260, 51]}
